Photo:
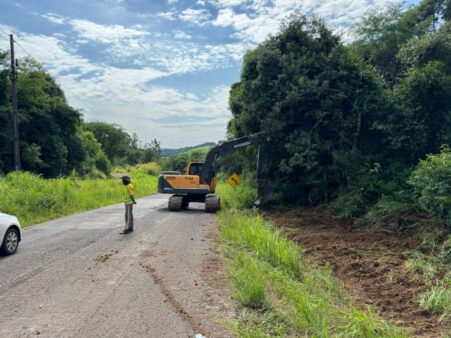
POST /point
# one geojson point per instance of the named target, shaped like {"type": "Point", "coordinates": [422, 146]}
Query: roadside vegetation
{"type": "Point", "coordinates": [34, 199]}
{"type": "Point", "coordinates": [280, 293]}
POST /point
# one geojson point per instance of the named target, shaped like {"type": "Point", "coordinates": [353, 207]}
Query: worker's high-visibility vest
{"type": "Point", "coordinates": [128, 192]}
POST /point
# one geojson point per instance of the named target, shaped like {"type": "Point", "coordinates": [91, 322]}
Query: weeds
{"type": "Point", "coordinates": [152, 169]}
{"type": "Point", "coordinates": [249, 282]}
{"type": "Point", "coordinates": [242, 197]}
{"type": "Point", "coordinates": [421, 267]}
{"type": "Point", "coordinates": [438, 301]}
{"type": "Point", "coordinates": [254, 233]}
{"type": "Point", "coordinates": [34, 199]}
{"type": "Point", "coordinates": [363, 324]}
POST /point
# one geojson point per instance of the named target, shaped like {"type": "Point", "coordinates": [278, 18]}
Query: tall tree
{"type": "Point", "coordinates": [50, 143]}
{"type": "Point", "coordinates": [316, 101]}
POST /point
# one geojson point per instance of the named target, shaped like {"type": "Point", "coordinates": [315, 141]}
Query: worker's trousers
{"type": "Point", "coordinates": [128, 217]}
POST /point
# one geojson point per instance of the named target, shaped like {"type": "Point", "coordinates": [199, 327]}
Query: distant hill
{"type": "Point", "coordinates": [166, 152]}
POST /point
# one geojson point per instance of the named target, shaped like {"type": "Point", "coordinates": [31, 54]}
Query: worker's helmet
{"type": "Point", "coordinates": [126, 179]}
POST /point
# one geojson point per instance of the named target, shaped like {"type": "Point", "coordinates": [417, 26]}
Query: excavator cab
{"type": "Point", "coordinates": [194, 168]}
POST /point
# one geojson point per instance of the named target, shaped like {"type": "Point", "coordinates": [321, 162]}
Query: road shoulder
{"type": "Point", "coordinates": [185, 261]}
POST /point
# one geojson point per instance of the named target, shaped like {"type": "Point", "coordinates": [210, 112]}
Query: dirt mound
{"type": "Point", "coordinates": [370, 264]}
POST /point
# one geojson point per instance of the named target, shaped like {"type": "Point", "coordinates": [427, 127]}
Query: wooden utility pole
{"type": "Point", "coordinates": [13, 76]}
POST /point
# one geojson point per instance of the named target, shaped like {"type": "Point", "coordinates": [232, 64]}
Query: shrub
{"type": "Point", "coordinates": [150, 168]}
{"type": "Point", "coordinates": [432, 183]}
{"type": "Point", "coordinates": [241, 197]}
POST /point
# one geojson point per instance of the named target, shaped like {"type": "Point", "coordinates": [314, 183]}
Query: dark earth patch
{"type": "Point", "coordinates": [370, 264]}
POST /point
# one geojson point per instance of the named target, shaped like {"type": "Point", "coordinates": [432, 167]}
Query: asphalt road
{"type": "Point", "coordinates": [78, 277]}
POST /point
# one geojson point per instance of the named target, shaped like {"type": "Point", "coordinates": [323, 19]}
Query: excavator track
{"type": "Point", "coordinates": [212, 203]}
{"type": "Point", "coordinates": [175, 203]}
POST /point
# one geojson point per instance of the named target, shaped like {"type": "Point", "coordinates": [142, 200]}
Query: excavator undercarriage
{"type": "Point", "coordinates": [179, 202]}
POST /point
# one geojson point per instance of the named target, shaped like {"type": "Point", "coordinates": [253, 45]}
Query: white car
{"type": "Point", "coordinates": [10, 234]}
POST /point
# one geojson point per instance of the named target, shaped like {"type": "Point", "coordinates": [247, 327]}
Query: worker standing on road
{"type": "Point", "coordinates": [129, 200]}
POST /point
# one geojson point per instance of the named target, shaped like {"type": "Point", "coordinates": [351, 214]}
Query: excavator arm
{"type": "Point", "coordinates": [259, 140]}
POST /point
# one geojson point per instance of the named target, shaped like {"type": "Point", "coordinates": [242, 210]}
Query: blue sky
{"type": "Point", "coordinates": [159, 68]}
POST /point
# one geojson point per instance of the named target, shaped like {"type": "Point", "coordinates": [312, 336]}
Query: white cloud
{"type": "Point", "coordinates": [50, 50]}
{"type": "Point", "coordinates": [172, 116]}
{"type": "Point", "coordinates": [171, 15]}
{"type": "Point", "coordinates": [181, 35]}
{"type": "Point", "coordinates": [254, 29]}
{"type": "Point", "coordinates": [176, 53]}
{"type": "Point", "coordinates": [195, 16]}
{"type": "Point", "coordinates": [54, 18]}
{"type": "Point", "coordinates": [254, 20]}
{"type": "Point", "coordinates": [230, 3]}
{"type": "Point", "coordinates": [105, 33]}
{"type": "Point", "coordinates": [170, 2]}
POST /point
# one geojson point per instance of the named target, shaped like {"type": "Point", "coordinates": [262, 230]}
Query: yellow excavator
{"type": "Point", "coordinates": [198, 184]}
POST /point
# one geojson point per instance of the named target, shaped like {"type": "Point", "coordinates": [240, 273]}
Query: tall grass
{"type": "Point", "coordinates": [280, 293]}
{"type": "Point", "coordinates": [253, 233]}
{"type": "Point", "coordinates": [34, 199]}
{"type": "Point", "coordinates": [241, 197]}
{"type": "Point", "coordinates": [438, 301]}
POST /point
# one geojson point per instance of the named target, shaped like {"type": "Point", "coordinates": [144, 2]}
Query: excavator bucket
{"type": "Point", "coordinates": [262, 188]}
{"type": "Point", "coordinates": [262, 194]}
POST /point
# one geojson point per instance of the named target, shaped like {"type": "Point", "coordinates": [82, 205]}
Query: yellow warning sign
{"type": "Point", "coordinates": [234, 180]}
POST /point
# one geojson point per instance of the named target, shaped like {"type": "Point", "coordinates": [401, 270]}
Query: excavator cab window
{"type": "Point", "coordinates": [195, 169]}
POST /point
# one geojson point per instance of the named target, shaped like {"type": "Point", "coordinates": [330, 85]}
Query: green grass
{"type": "Point", "coordinates": [280, 294]}
{"type": "Point", "coordinates": [242, 197]}
{"type": "Point", "coordinates": [427, 268]}
{"type": "Point", "coordinates": [421, 267]}
{"type": "Point", "coordinates": [438, 301]}
{"type": "Point", "coordinates": [34, 199]}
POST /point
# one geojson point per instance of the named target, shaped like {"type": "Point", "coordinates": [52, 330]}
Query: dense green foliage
{"type": "Point", "coordinates": [349, 121]}
{"type": "Point", "coordinates": [315, 100]}
{"type": "Point", "coordinates": [120, 147]}
{"type": "Point", "coordinates": [52, 140]}
{"type": "Point", "coordinates": [432, 183]}
{"type": "Point", "coordinates": [34, 199]}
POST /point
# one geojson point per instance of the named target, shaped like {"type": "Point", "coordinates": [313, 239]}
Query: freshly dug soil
{"type": "Point", "coordinates": [370, 264]}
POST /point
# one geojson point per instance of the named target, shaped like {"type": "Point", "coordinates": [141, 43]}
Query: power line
{"type": "Point", "coordinates": [1, 29]}
{"type": "Point", "coordinates": [17, 43]}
